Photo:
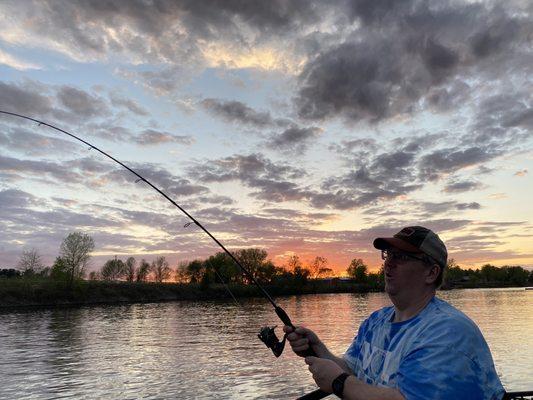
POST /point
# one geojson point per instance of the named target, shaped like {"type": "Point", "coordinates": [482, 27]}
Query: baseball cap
{"type": "Point", "coordinates": [416, 239]}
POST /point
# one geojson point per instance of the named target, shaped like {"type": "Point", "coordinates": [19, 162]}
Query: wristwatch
{"type": "Point", "coordinates": [338, 384]}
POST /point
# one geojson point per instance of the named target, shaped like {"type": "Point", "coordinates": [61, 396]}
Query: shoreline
{"type": "Point", "coordinates": [31, 294]}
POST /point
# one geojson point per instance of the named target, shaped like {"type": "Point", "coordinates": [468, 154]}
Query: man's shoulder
{"type": "Point", "coordinates": [444, 313]}
{"type": "Point", "coordinates": [446, 323]}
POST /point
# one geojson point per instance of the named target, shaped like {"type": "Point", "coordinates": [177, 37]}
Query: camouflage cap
{"type": "Point", "coordinates": [416, 239]}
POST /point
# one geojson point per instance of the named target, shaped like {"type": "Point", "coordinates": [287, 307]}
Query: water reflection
{"type": "Point", "coordinates": [209, 350]}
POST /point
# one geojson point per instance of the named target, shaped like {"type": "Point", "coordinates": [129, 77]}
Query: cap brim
{"type": "Point", "coordinates": [386, 243]}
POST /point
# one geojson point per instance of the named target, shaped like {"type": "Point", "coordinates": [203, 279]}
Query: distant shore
{"type": "Point", "coordinates": [16, 293]}
{"type": "Point", "coordinates": [43, 293]}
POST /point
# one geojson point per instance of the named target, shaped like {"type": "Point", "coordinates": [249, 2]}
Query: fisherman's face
{"type": "Point", "coordinates": [405, 273]}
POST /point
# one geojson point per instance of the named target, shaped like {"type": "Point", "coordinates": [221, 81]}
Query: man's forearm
{"type": "Point", "coordinates": [354, 389]}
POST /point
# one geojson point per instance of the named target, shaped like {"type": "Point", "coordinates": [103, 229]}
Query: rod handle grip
{"type": "Point", "coordinates": [315, 395]}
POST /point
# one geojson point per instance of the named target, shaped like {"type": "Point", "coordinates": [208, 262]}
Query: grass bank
{"type": "Point", "coordinates": [22, 292]}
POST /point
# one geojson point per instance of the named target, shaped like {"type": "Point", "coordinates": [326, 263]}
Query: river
{"type": "Point", "coordinates": [210, 349]}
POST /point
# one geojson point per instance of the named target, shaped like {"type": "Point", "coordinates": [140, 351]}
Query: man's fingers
{"type": "Point", "coordinates": [300, 342]}
{"type": "Point", "coordinates": [300, 349]}
{"type": "Point", "coordinates": [293, 336]}
{"type": "Point", "coordinates": [288, 329]}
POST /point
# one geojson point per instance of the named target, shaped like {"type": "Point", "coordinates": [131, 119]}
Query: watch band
{"type": "Point", "coordinates": [338, 384]}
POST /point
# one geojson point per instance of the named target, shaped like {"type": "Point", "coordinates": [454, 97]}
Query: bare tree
{"type": "Point", "coordinates": [317, 265]}
{"type": "Point", "coordinates": [113, 269]}
{"type": "Point", "coordinates": [161, 269]}
{"type": "Point", "coordinates": [75, 252]}
{"type": "Point", "coordinates": [181, 272]}
{"type": "Point", "coordinates": [294, 263]}
{"type": "Point", "coordinates": [144, 270]}
{"type": "Point", "coordinates": [30, 262]}
{"type": "Point", "coordinates": [325, 273]}
{"type": "Point", "coordinates": [130, 269]}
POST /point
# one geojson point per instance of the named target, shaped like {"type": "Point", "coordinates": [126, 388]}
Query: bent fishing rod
{"type": "Point", "coordinates": [266, 334]}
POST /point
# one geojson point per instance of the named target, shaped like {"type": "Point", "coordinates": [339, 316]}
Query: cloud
{"type": "Point", "coordinates": [401, 54]}
{"type": "Point", "coordinates": [250, 168]}
{"type": "Point", "coordinates": [82, 103]}
{"type": "Point", "coordinates": [30, 143]}
{"type": "Point", "coordinates": [462, 186]}
{"type": "Point", "coordinates": [65, 103]}
{"type": "Point", "coordinates": [522, 172]}
{"type": "Point", "coordinates": [131, 105]}
{"type": "Point", "coordinates": [15, 169]}
{"type": "Point", "coordinates": [444, 161]}
{"type": "Point", "coordinates": [503, 119]}
{"type": "Point", "coordinates": [187, 33]}
{"type": "Point", "coordinates": [272, 181]}
{"type": "Point", "coordinates": [160, 177]}
{"type": "Point", "coordinates": [153, 137]}
{"type": "Point", "coordinates": [27, 98]}
{"type": "Point", "coordinates": [294, 138]}
{"type": "Point", "coordinates": [16, 198]}
{"type": "Point", "coordinates": [16, 63]}
{"type": "Point", "coordinates": [235, 111]}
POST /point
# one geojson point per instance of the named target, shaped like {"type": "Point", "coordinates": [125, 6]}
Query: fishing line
{"type": "Point", "coordinates": [266, 335]}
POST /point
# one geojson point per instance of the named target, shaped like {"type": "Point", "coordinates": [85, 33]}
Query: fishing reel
{"type": "Point", "coordinates": [269, 338]}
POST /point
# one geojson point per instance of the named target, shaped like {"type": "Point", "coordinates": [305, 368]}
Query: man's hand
{"type": "Point", "coordinates": [301, 339]}
{"type": "Point", "coordinates": [324, 372]}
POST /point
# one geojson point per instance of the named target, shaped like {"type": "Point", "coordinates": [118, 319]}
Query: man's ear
{"type": "Point", "coordinates": [433, 273]}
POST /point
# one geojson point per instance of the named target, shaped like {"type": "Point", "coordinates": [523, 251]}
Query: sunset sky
{"type": "Point", "coordinates": [300, 127]}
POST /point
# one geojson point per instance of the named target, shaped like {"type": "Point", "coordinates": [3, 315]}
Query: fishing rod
{"type": "Point", "coordinates": [266, 334]}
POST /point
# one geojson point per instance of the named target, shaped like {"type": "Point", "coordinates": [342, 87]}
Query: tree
{"type": "Point", "coordinates": [144, 270]}
{"type": "Point", "coordinates": [130, 269]}
{"type": "Point", "coordinates": [9, 273]}
{"type": "Point", "coordinates": [30, 262]}
{"type": "Point", "coordinates": [317, 265]}
{"type": "Point", "coordinates": [357, 270]}
{"type": "Point", "coordinates": [516, 276]}
{"type": "Point", "coordinates": [226, 268]}
{"type": "Point", "coordinates": [300, 275]}
{"type": "Point", "coordinates": [75, 252]}
{"type": "Point", "coordinates": [113, 270]}
{"type": "Point", "coordinates": [94, 276]}
{"type": "Point", "coordinates": [268, 272]}
{"type": "Point", "coordinates": [161, 269]}
{"type": "Point", "coordinates": [59, 270]}
{"type": "Point", "coordinates": [181, 273]}
{"type": "Point", "coordinates": [252, 260]}
{"type": "Point", "coordinates": [325, 273]}
{"type": "Point", "coordinates": [293, 263]}
{"type": "Point", "coordinates": [195, 270]}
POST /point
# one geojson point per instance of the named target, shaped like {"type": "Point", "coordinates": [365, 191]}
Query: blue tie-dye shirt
{"type": "Point", "coordinates": [438, 354]}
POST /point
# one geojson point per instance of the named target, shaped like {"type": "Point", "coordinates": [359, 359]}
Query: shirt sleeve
{"type": "Point", "coordinates": [440, 372]}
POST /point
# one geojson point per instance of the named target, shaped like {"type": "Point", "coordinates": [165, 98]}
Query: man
{"type": "Point", "coordinates": [419, 348]}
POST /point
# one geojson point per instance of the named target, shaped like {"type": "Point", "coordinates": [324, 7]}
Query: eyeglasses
{"type": "Point", "coordinates": [389, 255]}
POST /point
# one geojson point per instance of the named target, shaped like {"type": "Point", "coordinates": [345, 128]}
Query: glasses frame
{"type": "Point", "coordinates": [385, 256]}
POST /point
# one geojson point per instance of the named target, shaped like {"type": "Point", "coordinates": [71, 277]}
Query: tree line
{"type": "Point", "coordinates": [75, 252]}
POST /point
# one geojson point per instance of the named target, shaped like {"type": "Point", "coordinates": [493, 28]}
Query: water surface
{"type": "Point", "coordinates": [210, 350]}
